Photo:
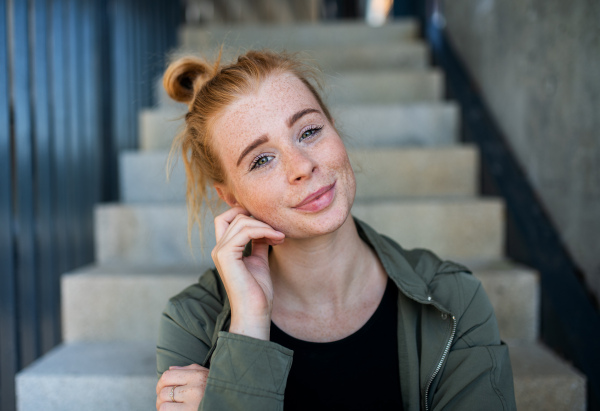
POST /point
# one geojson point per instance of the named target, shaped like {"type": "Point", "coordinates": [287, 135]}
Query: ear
{"type": "Point", "coordinates": [226, 195]}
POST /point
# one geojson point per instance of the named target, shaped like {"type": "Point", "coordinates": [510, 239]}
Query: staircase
{"type": "Point", "coordinates": [416, 184]}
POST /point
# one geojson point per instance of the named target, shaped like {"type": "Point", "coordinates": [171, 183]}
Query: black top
{"type": "Point", "coordinates": [359, 372]}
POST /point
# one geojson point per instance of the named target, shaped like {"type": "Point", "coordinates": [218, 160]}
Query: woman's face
{"type": "Point", "coordinates": [284, 161]}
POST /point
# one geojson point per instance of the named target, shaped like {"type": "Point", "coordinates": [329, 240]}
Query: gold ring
{"type": "Point", "coordinates": [172, 393]}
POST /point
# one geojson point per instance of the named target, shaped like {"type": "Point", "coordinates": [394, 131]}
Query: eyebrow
{"type": "Point", "coordinates": [300, 114]}
{"type": "Point", "coordinates": [261, 140]}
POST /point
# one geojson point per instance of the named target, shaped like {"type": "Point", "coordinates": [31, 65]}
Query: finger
{"type": "Point", "coordinates": [223, 220]}
{"type": "Point", "coordinates": [235, 243]}
{"type": "Point", "coordinates": [181, 377]}
{"type": "Point", "coordinates": [260, 249]}
{"type": "Point", "coordinates": [187, 394]}
{"type": "Point", "coordinates": [163, 398]}
{"type": "Point", "coordinates": [165, 394]}
{"type": "Point", "coordinates": [170, 406]}
{"type": "Point", "coordinates": [188, 367]}
{"type": "Point", "coordinates": [240, 222]}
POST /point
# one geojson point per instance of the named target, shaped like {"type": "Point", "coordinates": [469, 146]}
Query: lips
{"type": "Point", "coordinates": [317, 200]}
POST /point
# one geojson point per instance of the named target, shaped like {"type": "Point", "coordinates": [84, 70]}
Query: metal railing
{"type": "Point", "coordinates": [73, 75]}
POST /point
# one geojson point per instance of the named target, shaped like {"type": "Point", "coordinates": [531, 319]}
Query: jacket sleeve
{"type": "Point", "coordinates": [245, 373]}
{"type": "Point", "coordinates": [477, 374]}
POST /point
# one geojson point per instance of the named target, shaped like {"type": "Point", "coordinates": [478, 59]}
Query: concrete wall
{"type": "Point", "coordinates": [538, 65]}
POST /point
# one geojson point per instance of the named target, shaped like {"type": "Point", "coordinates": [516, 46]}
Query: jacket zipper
{"type": "Point", "coordinates": [439, 366]}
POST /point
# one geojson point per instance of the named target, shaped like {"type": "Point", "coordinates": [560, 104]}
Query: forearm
{"type": "Point", "coordinates": [246, 374]}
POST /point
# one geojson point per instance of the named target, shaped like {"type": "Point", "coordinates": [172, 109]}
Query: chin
{"type": "Point", "coordinates": [303, 229]}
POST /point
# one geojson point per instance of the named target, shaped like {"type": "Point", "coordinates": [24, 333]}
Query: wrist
{"type": "Point", "coordinates": [256, 329]}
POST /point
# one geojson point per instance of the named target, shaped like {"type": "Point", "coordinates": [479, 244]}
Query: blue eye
{"type": "Point", "coordinates": [310, 132]}
{"type": "Point", "coordinates": [260, 161]}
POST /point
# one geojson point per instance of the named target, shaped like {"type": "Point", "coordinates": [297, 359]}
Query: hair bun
{"type": "Point", "coordinates": [184, 77]}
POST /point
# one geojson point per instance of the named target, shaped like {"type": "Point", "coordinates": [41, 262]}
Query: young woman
{"type": "Point", "coordinates": [308, 308]}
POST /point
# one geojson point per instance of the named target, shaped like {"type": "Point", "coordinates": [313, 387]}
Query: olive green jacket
{"type": "Point", "coordinates": [450, 352]}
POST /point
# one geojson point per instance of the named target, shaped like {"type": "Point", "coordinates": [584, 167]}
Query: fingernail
{"type": "Point", "coordinates": [174, 367]}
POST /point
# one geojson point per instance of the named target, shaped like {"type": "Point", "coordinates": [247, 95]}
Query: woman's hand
{"type": "Point", "coordinates": [247, 280]}
{"type": "Point", "coordinates": [188, 385]}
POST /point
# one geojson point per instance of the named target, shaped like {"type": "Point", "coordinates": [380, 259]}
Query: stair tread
{"type": "Point", "coordinates": [389, 86]}
{"type": "Point", "coordinates": [143, 290]}
{"type": "Point", "coordinates": [487, 267]}
{"type": "Point", "coordinates": [404, 55]}
{"type": "Point", "coordinates": [157, 232]}
{"type": "Point", "coordinates": [138, 358]}
{"type": "Point", "coordinates": [299, 34]}
{"type": "Point", "coordinates": [127, 370]}
{"type": "Point", "coordinates": [441, 172]}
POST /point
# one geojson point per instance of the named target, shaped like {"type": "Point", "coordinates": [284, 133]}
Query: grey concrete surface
{"type": "Point", "coordinates": [115, 376]}
{"type": "Point", "coordinates": [388, 173]}
{"type": "Point", "coordinates": [122, 376]}
{"type": "Point", "coordinates": [543, 381]}
{"type": "Point", "coordinates": [150, 234]}
{"type": "Point", "coordinates": [95, 298]}
{"type": "Point", "coordinates": [409, 124]}
{"type": "Point", "coordinates": [514, 293]}
{"type": "Point", "coordinates": [297, 36]}
{"type": "Point", "coordinates": [412, 55]}
{"type": "Point", "coordinates": [400, 56]}
{"type": "Point", "coordinates": [384, 87]}
{"type": "Point", "coordinates": [453, 229]}
{"type": "Point", "coordinates": [159, 127]}
{"type": "Point", "coordinates": [537, 63]}
{"type": "Point", "coordinates": [362, 87]}
{"type": "Point", "coordinates": [361, 125]}
{"type": "Point", "coordinates": [156, 234]}
{"type": "Point", "coordinates": [380, 173]}
{"type": "Point", "coordinates": [119, 303]}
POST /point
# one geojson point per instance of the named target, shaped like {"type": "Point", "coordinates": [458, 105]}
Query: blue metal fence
{"type": "Point", "coordinates": [73, 76]}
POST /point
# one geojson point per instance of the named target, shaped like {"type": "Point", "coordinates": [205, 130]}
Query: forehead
{"type": "Point", "coordinates": [277, 94]}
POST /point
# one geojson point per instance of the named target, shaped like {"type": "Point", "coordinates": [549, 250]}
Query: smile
{"type": "Point", "coordinates": [318, 200]}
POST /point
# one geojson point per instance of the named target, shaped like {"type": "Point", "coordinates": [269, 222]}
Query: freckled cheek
{"type": "Point", "coordinates": [262, 204]}
{"type": "Point", "coordinates": [337, 159]}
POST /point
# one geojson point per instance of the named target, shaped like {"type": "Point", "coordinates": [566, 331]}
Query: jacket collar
{"type": "Point", "coordinates": [411, 270]}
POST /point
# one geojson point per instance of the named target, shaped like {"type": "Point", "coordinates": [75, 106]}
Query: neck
{"type": "Point", "coordinates": [325, 272]}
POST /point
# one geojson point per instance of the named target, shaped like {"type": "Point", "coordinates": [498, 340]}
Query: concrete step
{"type": "Point", "coordinates": [454, 229]}
{"type": "Point", "coordinates": [138, 295]}
{"type": "Point", "coordinates": [156, 234]}
{"type": "Point", "coordinates": [371, 125]}
{"type": "Point", "coordinates": [385, 125]}
{"type": "Point", "coordinates": [365, 87]}
{"type": "Point", "coordinates": [412, 55]}
{"type": "Point", "coordinates": [380, 173]}
{"type": "Point", "coordinates": [543, 381]}
{"type": "Point", "coordinates": [296, 36]}
{"type": "Point", "coordinates": [159, 126]}
{"type": "Point", "coordinates": [115, 376]}
{"type": "Point", "coordinates": [385, 87]}
{"type": "Point", "coordinates": [122, 377]}
{"type": "Point", "coordinates": [514, 292]}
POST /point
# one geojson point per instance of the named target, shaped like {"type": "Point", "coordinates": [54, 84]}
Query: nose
{"type": "Point", "coordinates": [299, 165]}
